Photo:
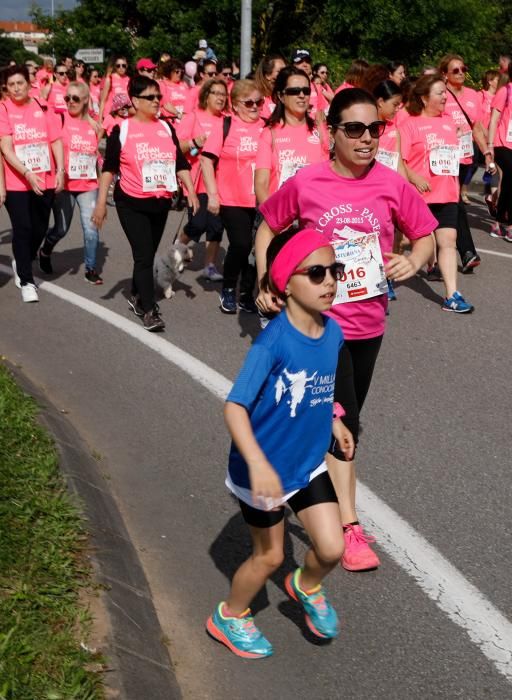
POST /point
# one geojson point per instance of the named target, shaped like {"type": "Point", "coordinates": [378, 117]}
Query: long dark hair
{"type": "Point", "coordinates": [139, 83]}
{"type": "Point", "coordinates": [346, 99]}
{"type": "Point", "coordinates": [386, 90]}
{"type": "Point", "coordinates": [278, 116]}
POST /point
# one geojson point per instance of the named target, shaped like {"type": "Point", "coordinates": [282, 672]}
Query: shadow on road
{"type": "Point", "coordinates": [419, 285]}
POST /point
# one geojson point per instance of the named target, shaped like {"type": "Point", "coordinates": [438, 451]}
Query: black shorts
{"type": "Point", "coordinates": [446, 214]}
{"type": "Point", "coordinates": [203, 221]}
{"type": "Point", "coordinates": [319, 490]}
{"type": "Point", "coordinates": [354, 372]}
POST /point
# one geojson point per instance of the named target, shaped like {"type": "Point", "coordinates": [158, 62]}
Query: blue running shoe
{"type": "Point", "coordinates": [391, 291]}
{"type": "Point", "coordinates": [321, 617]}
{"type": "Point", "coordinates": [228, 301]}
{"type": "Point", "coordinates": [239, 634]}
{"type": "Point", "coordinates": [458, 304]}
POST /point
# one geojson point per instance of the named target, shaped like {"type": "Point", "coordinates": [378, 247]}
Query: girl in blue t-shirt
{"type": "Point", "coordinates": [280, 415]}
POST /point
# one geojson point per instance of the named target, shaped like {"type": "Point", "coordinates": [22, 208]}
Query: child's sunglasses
{"type": "Point", "coordinates": [316, 273]}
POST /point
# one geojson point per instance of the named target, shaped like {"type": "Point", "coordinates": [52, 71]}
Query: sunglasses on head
{"type": "Point", "coordinates": [72, 98]}
{"type": "Point", "coordinates": [121, 65]}
{"type": "Point", "coordinates": [149, 98]}
{"type": "Point", "coordinates": [458, 70]}
{"type": "Point", "coordinates": [253, 103]}
{"type": "Point", "coordinates": [316, 273]}
{"type": "Point", "coordinates": [296, 91]}
{"type": "Point", "coordinates": [354, 130]}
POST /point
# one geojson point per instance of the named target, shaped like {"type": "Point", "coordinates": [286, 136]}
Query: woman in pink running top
{"type": "Point", "coordinates": [292, 139]}
{"type": "Point", "coordinates": [389, 98]}
{"type": "Point", "coordinates": [500, 147]}
{"type": "Point", "coordinates": [230, 188]}
{"type": "Point", "coordinates": [265, 76]}
{"type": "Point", "coordinates": [116, 83]}
{"type": "Point", "coordinates": [430, 150]}
{"type": "Point", "coordinates": [175, 90]}
{"type": "Point", "coordinates": [355, 203]}
{"type": "Point", "coordinates": [55, 90]}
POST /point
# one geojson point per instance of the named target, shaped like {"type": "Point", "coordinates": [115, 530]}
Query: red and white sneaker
{"type": "Point", "coordinates": [358, 555]}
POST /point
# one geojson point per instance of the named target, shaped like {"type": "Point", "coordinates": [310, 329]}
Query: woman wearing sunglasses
{"type": "Point", "coordinates": [321, 79]}
{"type": "Point", "coordinates": [174, 89]}
{"type": "Point", "coordinates": [193, 131]}
{"type": "Point", "coordinates": [431, 150]}
{"type": "Point", "coordinates": [228, 163]}
{"type": "Point", "coordinates": [81, 184]}
{"type": "Point", "coordinates": [54, 92]}
{"type": "Point", "coordinates": [292, 139]}
{"type": "Point", "coordinates": [116, 83]}
{"type": "Point", "coordinates": [356, 203]}
{"type": "Point", "coordinates": [146, 154]}
{"type": "Point", "coordinates": [464, 106]}
{"type": "Point", "coordinates": [31, 145]}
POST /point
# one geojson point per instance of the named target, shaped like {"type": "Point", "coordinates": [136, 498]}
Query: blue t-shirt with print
{"type": "Point", "coordinates": [287, 386]}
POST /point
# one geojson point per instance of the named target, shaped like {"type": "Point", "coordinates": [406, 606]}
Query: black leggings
{"type": "Point", "coordinates": [464, 238]}
{"type": "Point", "coordinates": [354, 372]}
{"type": "Point", "coordinates": [143, 221]}
{"type": "Point", "coordinates": [503, 157]}
{"type": "Point", "coordinates": [29, 214]}
{"type": "Point", "coordinates": [238, 222]}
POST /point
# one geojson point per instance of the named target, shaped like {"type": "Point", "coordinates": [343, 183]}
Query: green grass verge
{"type": "Point", "coordinates": [42, 565]}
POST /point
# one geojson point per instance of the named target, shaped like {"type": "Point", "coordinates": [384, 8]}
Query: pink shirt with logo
{"type": "Point", "coordinates": [471, 103]}
{"type": "Point", "coordinates": [55, 98]}
{"type": "Point", "coordinates": [176, 94]}
{"type": "Point", "coordinates": [94, 100]}
{"type": "Point", "coordinates": [375, 203]}
{"type": "Point", "coordinates": [389, 151]}
{"type": "Point", "coordinates": [421, 135]}
{"type": "Point", "coordinates": [285, 149]}
{"type": "Point", "coordinates": [118, 86]}
{"type": "Point", "coordinates": [145, 142]}
{"type": "Point", "coordinates": [29, 124]}
{"type": "Point", "coordinates": [503, 102]}
{"type": "Point", "coordinates": [195, 124]}
{"type": "Point", "coordinates": [236, 161]}
{"type": "Point", "coordinates": [79, 139]}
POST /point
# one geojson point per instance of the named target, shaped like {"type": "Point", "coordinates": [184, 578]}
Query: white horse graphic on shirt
{"type": "Point", "coordinates": [296, 387]}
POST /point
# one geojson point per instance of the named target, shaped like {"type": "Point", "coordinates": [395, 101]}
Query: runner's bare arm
{"type": "Point", "coordinates": [261, 184]}
{"type": "Point", "coordinates": [210, 183]}
{"type": "Point", "coordinates": [8, 152]}
{"type": "Point", "coordinates": [266, 301]}
{"type": "Point", "coordinates": [402, 267]}
{"type": "Point", "coordinates": [58, 154]}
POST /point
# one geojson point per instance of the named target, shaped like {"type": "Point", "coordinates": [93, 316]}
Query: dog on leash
{"type": "Point", "coordinates": [166, 269]}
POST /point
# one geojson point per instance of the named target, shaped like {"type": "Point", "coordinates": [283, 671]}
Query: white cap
{"type": "Point", "coordinates": [203, 44]}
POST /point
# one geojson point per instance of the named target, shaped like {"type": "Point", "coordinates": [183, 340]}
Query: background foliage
{"type": "Point", "coordinates": [335, 32]}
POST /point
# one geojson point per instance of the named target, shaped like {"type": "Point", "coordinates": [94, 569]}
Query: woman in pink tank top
{"type": "Point", "coordinates": [116, 83]}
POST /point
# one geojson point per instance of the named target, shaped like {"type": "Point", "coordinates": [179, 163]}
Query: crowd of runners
{"type": "Point", "coordinates": [327, 195]}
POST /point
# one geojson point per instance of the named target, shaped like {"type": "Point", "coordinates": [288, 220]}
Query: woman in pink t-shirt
{"type": "Point", "coordinates": [30, 140]}
{"type": "Point", "coordinates": [292, 139]}
{"type": "Point", "coordinates": [94, 94]}
{"type": "Point", "coordinates": [55, 90]}
{"type": "Point", "coordinates": [146, 154]}
{"type": "Point", "coordinates": [265, 76]}
{"type": "Point", "coordinates": [389, 98]}
{"type": "Point", "coordinates": [356, 203]}
{"type": "Point", "coordinates": [321, 79]}
{"type": "Point", "coordinates": [174, 89]}
{"type": "Point", "coordinates": [228, 162]}
{"type": "Point", "coordinates": [430, 150]}
{"type": "Point", "coordinates": [116, 83]}
{"type": "Point", "coordinates": [500, 146]}
{"type": "Point", "coordinates": [80, 141]}
{"type": "Point", "coordinates": [193, 131]}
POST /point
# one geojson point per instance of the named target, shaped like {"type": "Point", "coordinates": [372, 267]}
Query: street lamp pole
{"type": "Point", "coordinates": [246, 39]}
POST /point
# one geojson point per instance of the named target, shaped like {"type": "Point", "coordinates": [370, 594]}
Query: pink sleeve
{"type": "Point", "coordinates": [264, 155]}
{"type": "Point", "coordinates": [500, 99]}
{"type": "Point", "coordinates": [5, 125]}
{"type": "Point", "coordinates": [185, 126]}
{"type": "Point", "coordinates": [413, 217]}
{"type": "Point", "coordinates": [281, 208]}
{"type": "Point", "coordinates": [213, 143]}
{"type": "Point", "coordinates": [54, 124]}
{"type": "Point", "coordinates": [405, 141]}
{"type": "Point", "coordinates": [324, 136]}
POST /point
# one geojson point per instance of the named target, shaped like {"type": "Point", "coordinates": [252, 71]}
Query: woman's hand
{"type": "Point", "coordinates": [420, 183]}
{"type": "Point", "coordinates": [344, 438]}
{"type": "Point", "coordinates": [59, 181]}
{"type": "Point", "coordinates": [399, 267]}
{"type": "Point", "coordinates": [213, 203]}
{"type": "Point", "coordinates": [268, 303]}
{"type": "Point", "coordinates": [193, 202]}
{"type": "Point", "coordinates": [99, 215]}
{"type": "Point", "coordinates": [266, 485]}
{"type": "Point", "coordinates": [35, 182]}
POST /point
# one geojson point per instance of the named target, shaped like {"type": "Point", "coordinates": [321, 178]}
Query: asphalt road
{"type": "Point", "coordinates": [435, 448]}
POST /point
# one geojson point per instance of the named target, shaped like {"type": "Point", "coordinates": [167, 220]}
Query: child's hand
{"type": "Point", "coordinates": [266, 486]}
{"type": "Point", "coordinates": [344, 438]}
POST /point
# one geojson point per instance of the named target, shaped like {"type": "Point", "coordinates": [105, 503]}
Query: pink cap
{"type": "Point", "coordinates": [145, 63]}
{"type": "Point", "coordinates": [293, 253]}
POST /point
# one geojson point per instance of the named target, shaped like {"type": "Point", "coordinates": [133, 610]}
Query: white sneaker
{"type": "Point", "coordinates": [211, 273]}
{"type": "Point", "coordinates": [29, 292]}
{"type": "Point", "coordinates": [17, 280]}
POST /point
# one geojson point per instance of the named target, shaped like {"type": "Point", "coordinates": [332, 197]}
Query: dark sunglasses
{"type": "Point", "coordinates": [60, 72]}
{"type": "Point", "coordinates": [296, 91]}
{"type": "Point", "coordinates": [72, 98]}
{"type": "Point", "coordinates": [121, 65]}
{"type": "Point", "coordinates": [227, 73]}
{"type": "Point", "coordinates": [253, 103]}
{"type": "Point", "coordinates": [211, 74]}
{"type": "Point", "coordinates": [354, 130]}
{"type": "Point", "coordinates": [316, 273]}
{"type": "Point", "coordinates": [149, 98]}
{"type": "Point", "coordinates": [457, 70]}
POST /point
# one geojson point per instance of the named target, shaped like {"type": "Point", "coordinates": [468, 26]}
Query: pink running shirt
{"type": "Point", "coordinates": [55, 99]}
{"type": "Point", "coordinates": [176, 94]}
{"type": "Point", "coordinates": [196, 124]}
{"type": "Point", "coordinates": [118, 86]}
{"type": "Point", "coordinates": [389, 153]}
{"type": "Point", "coordinates": [339, 207]}
{"type": "Point", "coordinates": [471, 103]}
{"type": "Point", "coordinates": [80, 154]}
{"type": "Point", "coordinates": [503, 102]}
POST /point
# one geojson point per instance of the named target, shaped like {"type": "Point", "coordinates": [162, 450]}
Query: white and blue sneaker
{"type": "Point", "coordinates": [458, 304]}
{"type": "Point", "coordinates": [228, 301]}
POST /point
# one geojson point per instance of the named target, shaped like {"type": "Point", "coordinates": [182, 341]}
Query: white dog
{"type": "Point", "coordinates": [166, 269]}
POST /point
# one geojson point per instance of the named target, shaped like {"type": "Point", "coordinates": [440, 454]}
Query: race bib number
{"type": "Point", "coordinates": [81, 166]}
{"type": "Point", "coordinates": [34, 156]}
{"type": "Point", "coordinates": [364, 276]}
{"type": "Point", "coordinates": [509, 131]}
{"type": "Point", "coordinates": [288, 170]}
{"type": "Point", "coordinates": [159, 176]}
{"type": "Point", "coordinates": [466, 145]}
{"type": "Point", "coordinates": [444, 160]}
{"type": "Point", "coordinates": [387, 158]}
